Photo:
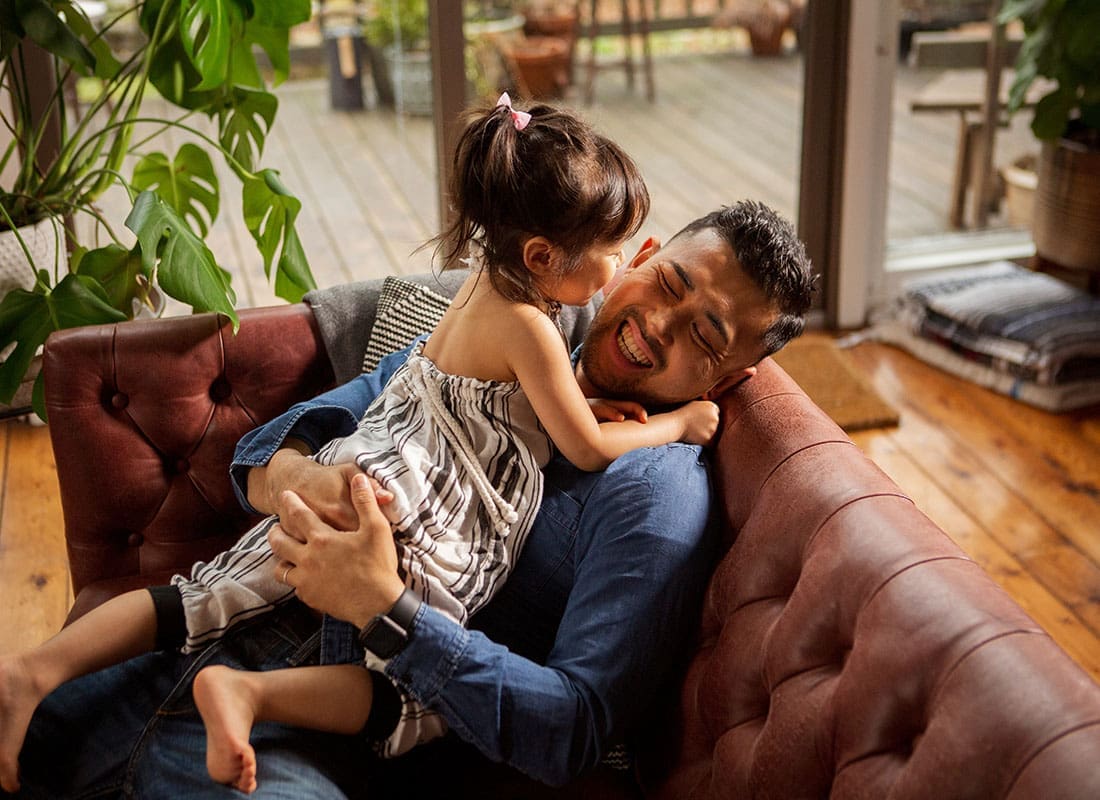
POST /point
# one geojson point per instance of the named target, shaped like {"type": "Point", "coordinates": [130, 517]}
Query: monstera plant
{"type": "Point", "coordinates": [200, 57]}
{"type": "Point", "coordinates": [1062, 44]}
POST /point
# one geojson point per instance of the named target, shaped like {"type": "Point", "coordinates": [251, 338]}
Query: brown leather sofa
{"type": "Point", "coordinates": [846, 649]}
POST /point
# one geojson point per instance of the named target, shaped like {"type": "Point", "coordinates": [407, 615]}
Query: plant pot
{"type": "Point", "coordinates": [766, 41]}
{"type": "Point", "coordinates": [21, 402]}
{"type": "Point", "coordinates": [41, 240]}
{"type": "Point", "coordinates": [1021, 180]}
{"type": "Point", "coordinates": [540, 64]}
{"type": "Point", "coordinates": [1067, 204]}
{"type": "Point", "coordinates": [487, 39]}
{"type": "Point", "coordinates": [411, 73]}
{"type": "Point", "coordinates": [563, 25]}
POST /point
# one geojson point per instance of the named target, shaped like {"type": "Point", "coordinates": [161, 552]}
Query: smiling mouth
{"type": "Point", "coordinates": [630, 348]}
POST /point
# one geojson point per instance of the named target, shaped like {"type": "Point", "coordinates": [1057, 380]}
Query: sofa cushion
{"type": "Point", "coordinates": [405, 310]}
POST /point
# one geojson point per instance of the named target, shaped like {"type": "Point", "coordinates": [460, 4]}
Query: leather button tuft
{"type": "Point", "coordinates": [135, 540]}
{"type": "Point", "coordinates": [182, 465]}
{"type": "Point", "coordinates": [219, 390]}
{"type": "Point", "coordinates": [119, 400]}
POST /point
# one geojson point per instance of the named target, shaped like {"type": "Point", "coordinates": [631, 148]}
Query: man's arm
{"type": "Point", "coordinates": [621, 557]}
{"type": "Point", "coordinates": [302, 430]}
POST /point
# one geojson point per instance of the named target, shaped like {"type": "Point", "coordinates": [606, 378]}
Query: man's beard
{"type": "Point", "coordinates": [607, 382]}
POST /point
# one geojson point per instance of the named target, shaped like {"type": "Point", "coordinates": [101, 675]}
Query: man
{"type": "Point", "coordinates": [591, 621]}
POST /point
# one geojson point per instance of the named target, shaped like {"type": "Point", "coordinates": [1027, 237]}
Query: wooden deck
{"type": "Point", "coordinates": [725, 126]}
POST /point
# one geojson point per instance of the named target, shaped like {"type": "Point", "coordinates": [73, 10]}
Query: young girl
{"type": "Point", "coordinates": [456, 440]}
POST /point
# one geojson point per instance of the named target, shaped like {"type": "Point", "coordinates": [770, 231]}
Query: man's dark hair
{"type": "Point", "coordinates": [769, 250]}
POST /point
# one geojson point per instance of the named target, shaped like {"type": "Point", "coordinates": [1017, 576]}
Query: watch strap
{"type": "Point", "coordinates": [403, 612]}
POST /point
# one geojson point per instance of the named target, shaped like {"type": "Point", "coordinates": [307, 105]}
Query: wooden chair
{"type": "Point", "coordinates": [629, 30]}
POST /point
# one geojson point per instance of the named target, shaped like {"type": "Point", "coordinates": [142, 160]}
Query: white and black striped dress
{"type": "Point", "coordinates": [463, 458]}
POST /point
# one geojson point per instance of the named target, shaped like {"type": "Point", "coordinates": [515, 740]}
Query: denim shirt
{"type": "Point", "coordinates": [597, 613]}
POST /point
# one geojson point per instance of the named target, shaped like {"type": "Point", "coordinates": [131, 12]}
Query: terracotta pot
{"type": "Point", "coordinates": [1067, 204]}
{"type": "Point", "coordinates": [541, 65]}
{"type": "Point", "coordinates": [563, 25]}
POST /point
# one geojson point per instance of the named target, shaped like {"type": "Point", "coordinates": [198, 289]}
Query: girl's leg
{"type": "Point", "coordinates": [121, 628]}
{"type": "Point", "coordinates": [334, 699]}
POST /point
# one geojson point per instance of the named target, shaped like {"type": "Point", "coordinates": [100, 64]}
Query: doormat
{"type": "Point", "coordinates": [829, 377]}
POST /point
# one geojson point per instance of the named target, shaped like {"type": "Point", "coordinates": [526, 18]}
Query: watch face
{"type": "Point", "coordinates": [383, 637]}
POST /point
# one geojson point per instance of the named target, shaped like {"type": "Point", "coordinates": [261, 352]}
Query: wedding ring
{"type": "Point", "coordinates": [287, 572]}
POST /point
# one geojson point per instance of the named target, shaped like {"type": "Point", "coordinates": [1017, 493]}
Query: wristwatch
{"type": "Point", "coordinates": [387, 634]}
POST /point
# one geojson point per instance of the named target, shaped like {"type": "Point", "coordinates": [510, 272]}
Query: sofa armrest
{"type": "Point", "coordinates": [144, 417]}
{"type": "Point", "coordinates": [849, 649]}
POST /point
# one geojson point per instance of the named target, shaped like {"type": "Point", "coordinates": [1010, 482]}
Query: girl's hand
{"type": "Point", "coordinates": [617, 410]}
{"type": "Point", "coordinates": [323, 488]}
{"type": "Point", "coordinates": [700, 421]}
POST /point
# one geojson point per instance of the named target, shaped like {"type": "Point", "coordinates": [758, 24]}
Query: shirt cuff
{"type": "Point", "coordinates": [428, 661]}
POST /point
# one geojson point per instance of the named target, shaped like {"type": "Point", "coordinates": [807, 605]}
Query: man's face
{"type": "Point", "coordinates": [681, 322]}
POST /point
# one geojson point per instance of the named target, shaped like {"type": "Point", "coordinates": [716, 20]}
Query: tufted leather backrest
{"type": "Point", "coordinates": [848, 648]}
{"type": "Point", "coordinates": [144, 418]}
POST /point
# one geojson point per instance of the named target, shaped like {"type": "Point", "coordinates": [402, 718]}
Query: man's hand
{"type": "Point", "coordinates": [323, 488]}
{"type": "Point", "coordinates": [348, 574]}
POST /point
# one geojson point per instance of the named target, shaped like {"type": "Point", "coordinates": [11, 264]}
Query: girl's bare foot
{"type": "Point", "coordinates": [226, 704]}
{"type": "Point", "coordinates": [19, 697]}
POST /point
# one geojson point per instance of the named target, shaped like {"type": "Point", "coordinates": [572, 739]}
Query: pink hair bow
{"type": "Point", "coordinates": [519, 118]}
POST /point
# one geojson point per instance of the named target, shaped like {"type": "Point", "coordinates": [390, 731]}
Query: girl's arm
{"type": "Point", "coordinates": [534, 352]}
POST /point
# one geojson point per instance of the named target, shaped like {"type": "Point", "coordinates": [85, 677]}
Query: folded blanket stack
{"type": "Point", "coordinates": [1015, 331]}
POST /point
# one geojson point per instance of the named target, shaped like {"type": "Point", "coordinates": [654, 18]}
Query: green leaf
{"type": "Point", "coordinates": [207, 30]}
{"type": "Point", "coordinates": [188, 183]}
{"type": "Point", "coordinates": [281, 13]}
{"type": "Point", "coordinates": [269, 214]}
{"type": "Point", "coordinates": [11, 32]}
{"type": "Point", "coordinates": [274, 41]}
{"type": "Point", "coordinates": [1019, 9]}
{"type": "Point", "coordinates": [27, 318]}
{"type": "Point", "coordinates": [243, 69]}
{"type": "Point", "coordinates": [46, 29]}
{"type": "Point", "coordinates": [106, 65]}
{"type": "Point", "coordinates": [1052, 113]}
{"type": "Point", "coordinates": [116, 269]}
{"type": "Point", "coordinates": [183, 265]}
{"type": "Point", "coordinates": [244, 122]}
{"type": "Point", "coordinates": [293, 277]}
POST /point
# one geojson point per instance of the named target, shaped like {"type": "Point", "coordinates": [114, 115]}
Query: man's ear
{"type": "Point", "coordinates": [539, 255]}
{"type": "Point", "coordinates": [645, 252]}
{"type": "Point", "coordinates": [648, 248]}
{"type": "Point", "coordinates": [728, 382]}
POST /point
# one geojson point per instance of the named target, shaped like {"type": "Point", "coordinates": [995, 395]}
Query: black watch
{"type": "Point", "coordinates": [387, 634]}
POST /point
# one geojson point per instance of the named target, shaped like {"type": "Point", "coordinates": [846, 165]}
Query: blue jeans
{"type": "Point", "coordinates": [133, 731]}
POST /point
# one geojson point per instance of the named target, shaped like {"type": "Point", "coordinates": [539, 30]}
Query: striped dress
{"type": "Point", "coordinates": [463, 458]}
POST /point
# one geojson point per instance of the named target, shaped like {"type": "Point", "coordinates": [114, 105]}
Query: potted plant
{"type": "Point", "coordinates": [1062, 43]}
{"type": "Point", "coordinates": [490, 27]}
{"type": "Point", "coordinates": [399, 28]}
{"type": "Point", "coordinates": [764, 20]}
{"type": "Point", "coordinates": [198, 56]}
{"type": "Point", "coordinates": [559, 18]}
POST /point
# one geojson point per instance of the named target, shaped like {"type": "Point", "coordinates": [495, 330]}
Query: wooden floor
{"type": "Point", "coordinates": [1017, 488]}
